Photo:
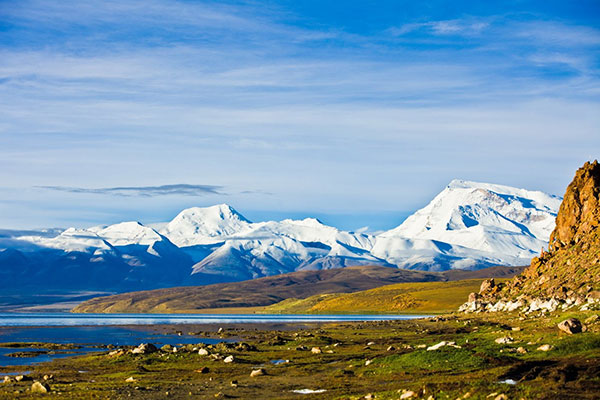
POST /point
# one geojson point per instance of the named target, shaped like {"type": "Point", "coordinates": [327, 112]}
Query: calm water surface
{"type": "Point", "coordinates": [67, 319]}
{"type": "Point", "coordinates": [92, 330]}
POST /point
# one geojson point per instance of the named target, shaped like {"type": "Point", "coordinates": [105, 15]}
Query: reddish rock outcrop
{"type": "Point", "coordinates": [568, 274]}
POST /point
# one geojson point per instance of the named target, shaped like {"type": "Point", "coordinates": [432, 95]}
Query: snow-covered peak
{"type": "Point", "coordinates": [127, 233]}
{"type": "Point", "coordinates": [486, 217]}
{"type": "Point", "coordinates": [543, 200]}
{"type": "Point", "coordinates": [72, 239]}
{"type": "Point", "coordinates": [204, 225]}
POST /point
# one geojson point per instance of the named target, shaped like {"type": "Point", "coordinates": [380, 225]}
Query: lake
{"type": "Point", "coordinates": [68, 319]}
{"type": "Point", "coordinates": [92, 330]}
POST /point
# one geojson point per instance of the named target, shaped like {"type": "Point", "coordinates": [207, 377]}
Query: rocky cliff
{"type": "Point", "coordinates": [566, 275]}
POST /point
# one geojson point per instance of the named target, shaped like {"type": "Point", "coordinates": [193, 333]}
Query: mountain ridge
{"type": "Point", "coordinates": [469, 225]}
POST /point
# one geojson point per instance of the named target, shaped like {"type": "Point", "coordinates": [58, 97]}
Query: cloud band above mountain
{"type": "Point", "coordinates": [143, 191]}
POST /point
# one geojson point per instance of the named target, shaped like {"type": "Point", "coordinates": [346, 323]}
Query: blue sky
{"type": "Point", "coordinates": [357, 112]}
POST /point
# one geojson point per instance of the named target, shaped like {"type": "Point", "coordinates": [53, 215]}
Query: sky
{"type": "Point", "coordinates": [355, 112]}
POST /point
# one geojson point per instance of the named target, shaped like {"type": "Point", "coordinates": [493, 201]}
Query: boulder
{"type": "Point", "coordinates": [570, 326]}
{"type": "Point", "coordinates": [228, 359]}
{"type": "Point", "coordinates": [316, 350]}
{"type": "Point", "coordinates": [203, 352]}
{"type": "Point", "coordinates": [257, 372]}
{"type": "Point", "coordinates": [144, 348]}
{"type": "Point", "coordinates": [40, 387]}
{"type": "Point", "coordinates": [504, 340]}
{"type": "Point", "coordinates": [545, 347]}
{"type": "Point", "coordinates": [407, 394]}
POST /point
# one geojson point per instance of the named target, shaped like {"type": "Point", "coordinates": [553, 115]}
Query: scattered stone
{"type": "Point", "coordinates": [419, 346]}
{"type": "Point", "coordinates": [130, 379]}
{"type": "Point", "coordinates": [23, 378]}
{"type": "Point", "coordinates": [368, 362]}
{"type": "Point", "coordinates": [203, 370]}
{"type": "Point", "coordinates": [370, 396]}
{"type": "Point", "coordinates": [371, 344]}
{"type": "Point", "coordinates": [145, 348]}
{"type": "Point", "coordinates": [570, 326]}
{"type": "Point", "coordinates": [228, 359]}
{"type": "Point", "coordinates": [257, 372]}
{"type": "Point", "coordinates": [301, 348]}
{"type": "Point", "coordinates": [407, 394]}
{"type": "Point", "coordinates": [516, 328]}
{"type": "Point", "coordinates": [116, 353]}
{"type": "Point", "coordinates": [203, 352]}
{"type": "Point", "coordinates": [167, 348]}
{"type": "Point", "coordinates": [219, 395]}
{"type": "Point", "coordinates": [7, 379]}
{"type": "Point", "coordinates": [242, 346]}
{"type": "Point", "coordinates": [40, 387]}
{"type": "Point", "coordinates": [591, 319]}
{"type": "Point", "coordinates": [234, 383]}
{"type": "Point", "coordinates": [521, 350]}
{"type": "Point", "coordinates": [442, 344]}
{"type": "Point", "coordinates": [220, 330]}
{"type": "Point", "coordinates": [545, 347]}
{"type": "Point", "coordinates": [501, 396]}
{"type": "Point", "coordinates": [504, 340]}
{"type": "Point", "coordinates": [316, 350]}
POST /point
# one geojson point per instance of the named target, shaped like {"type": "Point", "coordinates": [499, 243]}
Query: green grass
{"type": "Point", "coordinates": [400, 298]}
{"type": "Point", "coordinates": [442, 360]}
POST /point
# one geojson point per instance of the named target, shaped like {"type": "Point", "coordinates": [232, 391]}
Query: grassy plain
{"type": "Point", "coordinates": [403, 298]}
{"type": "Point", "coordinates": [381, 359]}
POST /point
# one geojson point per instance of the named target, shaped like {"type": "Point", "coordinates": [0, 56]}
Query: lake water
{"type": "Point", "coordinates": [67, 319]}
{"type": "Point", "coordinates": [92, 330]}
{"type": "Point", "coordinates": [87, 337]}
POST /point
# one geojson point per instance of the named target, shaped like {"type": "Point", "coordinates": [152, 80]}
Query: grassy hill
{"type": "Point", "coordinates": [413, 297]}
{"type": "Point", "coordinates": [243, 296]}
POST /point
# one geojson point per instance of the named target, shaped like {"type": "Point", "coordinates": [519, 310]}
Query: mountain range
{"type": "Point", "coordinates": [469, 225]}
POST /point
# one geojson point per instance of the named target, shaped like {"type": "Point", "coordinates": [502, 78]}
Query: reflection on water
{"type": "Point", "coordinates": [66, 319]}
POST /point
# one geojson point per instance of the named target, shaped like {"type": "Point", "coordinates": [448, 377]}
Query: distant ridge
{"type": "Point", "coordinates": [271, 290]}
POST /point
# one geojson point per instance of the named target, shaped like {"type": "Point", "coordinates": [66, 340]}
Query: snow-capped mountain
{"type": "Point", "coordinates": [203, 226]}
{"type": "Point", "coordinates": [468, 225]}
{"type": "Point", "coordinates": [472, 224]}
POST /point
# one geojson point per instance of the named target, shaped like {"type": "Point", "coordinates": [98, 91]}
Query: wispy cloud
{"type": "Point", "coordinates": [322, 108]}
{"type": "Point", "coordinates": [142, 191]}
{"type": "Point", "coordinates": [465, 27]}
